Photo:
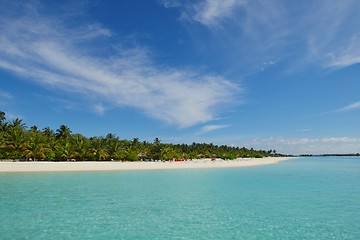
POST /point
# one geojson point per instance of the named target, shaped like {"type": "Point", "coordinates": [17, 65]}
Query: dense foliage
{"type": "Point", "coordinates": [19, 142]}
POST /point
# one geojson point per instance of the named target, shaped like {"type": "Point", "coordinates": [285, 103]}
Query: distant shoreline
{"type": "Point", "coordinates": [331, 155]}
{"type": "Point", "coordinates": [17, 167]}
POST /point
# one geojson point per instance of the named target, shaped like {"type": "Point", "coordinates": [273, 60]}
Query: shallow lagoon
{"type": "Point", "coordinates": [305, 198]}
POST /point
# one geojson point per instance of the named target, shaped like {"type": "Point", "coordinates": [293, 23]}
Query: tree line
{"type": "Point", "coordinates": [22, 143]}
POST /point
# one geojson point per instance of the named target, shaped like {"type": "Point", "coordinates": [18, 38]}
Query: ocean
{"type": "Point", "coordinates": [303, 198]}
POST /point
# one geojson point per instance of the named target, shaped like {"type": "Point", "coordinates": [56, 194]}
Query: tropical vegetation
{"type": "Point", "coordinates": [18, 142]}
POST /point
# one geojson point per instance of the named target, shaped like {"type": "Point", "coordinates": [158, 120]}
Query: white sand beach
{"type": "Point", "coordinates": [124, 166]}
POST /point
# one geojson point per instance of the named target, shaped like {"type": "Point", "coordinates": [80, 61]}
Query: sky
{"type": "Point", "coordinates": [273, 74]}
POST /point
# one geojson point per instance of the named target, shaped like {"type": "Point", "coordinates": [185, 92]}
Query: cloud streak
{"type": "Point", "coordinates": [211, 12]}
{"type": "Point", "coordinates": [350, 107]}
{"type": "Point", "coordinates": [5, 98]}
{"type": "Point", "coordinates": [210, 128]}
{"type": "Point", "coordinates": [43, 50]}
{"type": "Point", "coordinates": [6, 95]}
{"type": "Point", "coordinates": [309, 145]}
{"type": "Point", "coordinates": [320, 33]}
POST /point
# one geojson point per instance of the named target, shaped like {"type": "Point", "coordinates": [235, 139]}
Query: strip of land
{"type": "Point", "coordinates": [124, 166]}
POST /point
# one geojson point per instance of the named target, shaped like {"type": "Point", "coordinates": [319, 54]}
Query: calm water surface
{"type": "Point", "coordinates": [306, 198]}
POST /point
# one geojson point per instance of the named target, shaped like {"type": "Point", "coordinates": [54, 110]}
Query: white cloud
{"type": "Point", "coordinates": [304, 130]}
{"type": "Point", "coordinates": [332, 36]}
{"type": "Point", "coordinates": [210, 12]}
{"type": "Point", "coordinates": [340, 140]}
{"type": "Point", "coordinates": [210, 128]}
{"type": "Point", "coordinates": [5, 95]}
{"type": "Point", "coordinates": [44, 51]}
{"type": "Point", "coordinates": [5, 99]}
{"type": "Point", "coordinates": [350, 107]}
{"type": "Point", "coordinates": [11, 116]}
{"type": "Point", "coordinates": [321, 33]}
{"type": "Point", "coordinates": [308, 145]}
{"type": "Point", "coordinates": [99, 108]}
{"type": "Point", "coordinates": [170, 3]}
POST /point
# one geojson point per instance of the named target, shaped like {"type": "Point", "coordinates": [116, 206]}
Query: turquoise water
{"type": "Point", "coordinates": [306, 198]}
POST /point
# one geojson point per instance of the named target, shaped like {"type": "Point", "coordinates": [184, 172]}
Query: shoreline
{"type": "Point", "coordinates": [19, 167]}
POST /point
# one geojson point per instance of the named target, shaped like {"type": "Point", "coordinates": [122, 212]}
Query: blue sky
{"type": "Point", "coordinates": [277, 74]}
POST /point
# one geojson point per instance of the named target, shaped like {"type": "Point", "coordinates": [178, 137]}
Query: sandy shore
{"type": "Point", "coordinates": [123, 166]}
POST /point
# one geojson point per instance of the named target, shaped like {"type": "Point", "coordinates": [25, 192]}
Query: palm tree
{"type": "Point", "coordinates": [131, 155]}
{"type": "Point", "coordinates": [17, 123]}
{"type": "Point", "coordinates": [15, 142]}
{"type": "Point", "coordinates": [157, 141]}
{"type": "Point", "coordinates": [135, 141]}
{"type": "Point", "coordinates": [111, 136]}
{"type": "Point", "coordinates": [155, 152]}
{"type": "Point", "coordinates": [48, 132]}
{"type": "Point", "coordinates": [98, 148]}
{"type": "Point", "coordinates": [63, 132]}
{"type": "Point", "coordinates": [2, 145]}
{"type": "Point", "coordinates": [167, 153]}
{"type": "Point", "coordinates": [64, 150]}
{"type": "Point", "coordinates": [37, 147]}
{"type": "Point", "coordinates": [115, 149]}
{"type": "Point", "coordinates": [81, 147]}
{"type": "Point", "coordinates": [34, 129]}
{"type": "Point", "coordinates": [2, 119]}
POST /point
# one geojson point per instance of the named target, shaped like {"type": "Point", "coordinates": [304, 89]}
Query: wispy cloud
{"type": "Point", "coordinates": [320, 33]}
{"type": "Point", "coordinates": [11, 116]}
{"type": "Point", "coordinates": [304, 130]}
{"type": "Point", "coordinates": [5, 98]}
{"type": "Point", "coordinates": [170, 3]}
{"type": "Point", "coordinates": [350, 107]}
{"type": "Point", "coordinates": [308, 145]}
{"type": "Point", "coordinates": [332, 38]}
{"type": "Point", "coordinates": [75, 60]}
{"type": "Point", "coordinates": [210, 128]}
{"type": "Point", "coordinates": [6, 95]}
{"type": "Point", "coordinates": [99, 108]}
{"type": "Point", "coordinates": [211, 12]}
{"type": "Point", "coordinates": [340, 140]}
